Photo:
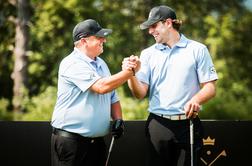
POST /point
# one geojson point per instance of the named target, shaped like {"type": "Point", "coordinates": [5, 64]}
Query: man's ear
{"type": "Point", "coordinates": [83, 40]}
{"type": "Point", "coordinates": [168, 22]}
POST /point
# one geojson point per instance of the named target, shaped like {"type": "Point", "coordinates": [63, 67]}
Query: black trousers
{"type": "Point", "coordinates": [168, 141]}
{"type": "Point", "coordinates": [67, 151]}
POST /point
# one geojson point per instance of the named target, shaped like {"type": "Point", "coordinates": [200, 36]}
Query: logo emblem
{"type": "Point", "coordinates": [150, 15]}
{"type": "Point", "coordinates": [212, 69]}
{"type": "Point", "coordinates": [210, 153]}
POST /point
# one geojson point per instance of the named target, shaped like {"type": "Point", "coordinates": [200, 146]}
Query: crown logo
{"type": "Point", "coordinates": [208, 141]}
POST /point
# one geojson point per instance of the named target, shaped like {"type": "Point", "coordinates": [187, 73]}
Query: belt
{"type": "Point", "coordinates": [74, 136]}
{"type": "Point", "coordinates": [173, 117]}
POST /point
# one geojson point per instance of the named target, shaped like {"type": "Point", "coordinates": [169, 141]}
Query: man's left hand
{"type": "Point", "coordinates": [192, 109]}
{"type": "Point", "coordinates": [118, 128]}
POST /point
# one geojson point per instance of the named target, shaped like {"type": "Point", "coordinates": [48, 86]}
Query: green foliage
{"type": "Point", "coordinates": [40, 107]}
{"type": "Point", "coordinates": [7, 38]}
{"type": "Point", "coordinates": [4, 114]}
{"type": "Point", "coordinates": [133, 109]}
{"type": "Point", "coordinates": [225, 27]}
{"type": "Point", "coordinates": [225, 106]}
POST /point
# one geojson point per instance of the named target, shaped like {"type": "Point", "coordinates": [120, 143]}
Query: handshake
{"type": "Point", "coordinates": [131, 63]}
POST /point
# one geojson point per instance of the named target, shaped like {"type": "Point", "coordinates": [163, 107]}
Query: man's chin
{"type": "Point", "coordinates": [157, 41]}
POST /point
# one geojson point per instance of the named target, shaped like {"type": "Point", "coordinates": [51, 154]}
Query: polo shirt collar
{"type": "Point", "coordinates": [96, 62]}
{"type": "Point", "coordinates": [182, 42]}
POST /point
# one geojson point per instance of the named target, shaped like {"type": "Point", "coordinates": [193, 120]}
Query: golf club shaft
{"type": "Point", "coordinates": [191, 140]}
{"type": "Point", "coordinates": [110, 150]}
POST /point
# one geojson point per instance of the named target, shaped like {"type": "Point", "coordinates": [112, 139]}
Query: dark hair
{"type": "Point", "coordinates": [176, 24]}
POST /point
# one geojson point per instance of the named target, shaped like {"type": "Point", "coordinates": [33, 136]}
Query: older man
{"type": "Point", "coordinates": [86, 100]}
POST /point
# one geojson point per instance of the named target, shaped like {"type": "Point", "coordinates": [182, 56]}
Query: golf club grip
{"type": "Point", "coordinates": [191, 132]}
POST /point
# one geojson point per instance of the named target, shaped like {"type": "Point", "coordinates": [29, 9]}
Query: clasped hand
{"type": "Point", "coordinates": [131, 63]}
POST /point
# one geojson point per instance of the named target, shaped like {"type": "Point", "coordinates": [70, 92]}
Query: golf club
{"type": "Point", "coordinates": [110, 149]}
{"type": "Point", "coordinates": [191, 139]}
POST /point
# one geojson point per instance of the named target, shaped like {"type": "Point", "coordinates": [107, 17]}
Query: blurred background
{"type": "Point", "coordinates": [35, 35]}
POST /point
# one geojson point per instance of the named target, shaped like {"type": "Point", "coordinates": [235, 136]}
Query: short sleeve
{"type": "Point", "coordinates": [205, 67]}
{"type": "Point", "coordinates": [114, 97]}
{"type": "Point", "coordinates": [144, 72]}
{"type": "Point", "coordinates": [80, 74]}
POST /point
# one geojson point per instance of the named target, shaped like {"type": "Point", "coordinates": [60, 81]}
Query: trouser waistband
{"type": "Point", "coordinates": [74, 136]}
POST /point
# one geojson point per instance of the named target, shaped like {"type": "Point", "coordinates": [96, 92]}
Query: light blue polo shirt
{"type": "Point", "coordinates": [174, 74]}
{"type": "Point", "coordinates": [78, 109]}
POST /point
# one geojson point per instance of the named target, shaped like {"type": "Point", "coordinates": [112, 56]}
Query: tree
{"type": "Point", "coordinates": [19, 74]}
{"type": "Point", "coordinates": [223, 26]}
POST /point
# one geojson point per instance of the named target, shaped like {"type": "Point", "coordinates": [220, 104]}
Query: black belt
{"type": "Point", "coordinates": [74, 136]}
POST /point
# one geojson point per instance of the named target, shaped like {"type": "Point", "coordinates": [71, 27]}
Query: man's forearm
{"type": "Point", "coordinates": [107, 84]}
{"type": "Point", "coordinates": [116, 111]}
{"type": "Point", "coordinates": [207, 92]}
{"type": "Point", "coordinates": [138, 89]}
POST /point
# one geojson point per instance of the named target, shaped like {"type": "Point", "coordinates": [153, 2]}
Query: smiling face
{"type": "Point", "coordinates": [94, 45]}
{"type": "Point", "coordinates": [160, 30]}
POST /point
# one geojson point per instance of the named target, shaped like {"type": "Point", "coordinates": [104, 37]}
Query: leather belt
{"type": "Point", "coordinates": [173, 117]}
{"type": "Point", "coordinates": [74, 136]}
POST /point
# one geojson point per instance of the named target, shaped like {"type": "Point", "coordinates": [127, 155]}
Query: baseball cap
{"type": "Point", "coordinates": [158, 13]}
{"type": "Point", "coordinates": [89, 27]}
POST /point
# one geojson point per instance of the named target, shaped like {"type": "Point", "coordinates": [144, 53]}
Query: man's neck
{"type": "Point", "coordinates": [85, 52]}
{"type": "Point", "coordinates": [173, 39]}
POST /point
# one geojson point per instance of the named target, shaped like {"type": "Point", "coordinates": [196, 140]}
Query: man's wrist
{"type": "Point", "coordinates": [133, 70]}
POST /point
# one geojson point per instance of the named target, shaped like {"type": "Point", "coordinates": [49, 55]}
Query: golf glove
{"type": "Point", "coordinates": [117, 128]}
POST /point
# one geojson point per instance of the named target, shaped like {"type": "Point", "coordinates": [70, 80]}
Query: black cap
{"type": "Point", "coordinates": [158, 13]}
{"type": "Point", "coordinates": [89, 28]}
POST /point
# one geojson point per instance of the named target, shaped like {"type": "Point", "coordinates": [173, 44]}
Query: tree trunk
{"type": "Point", "coordinates": [19, 74]}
